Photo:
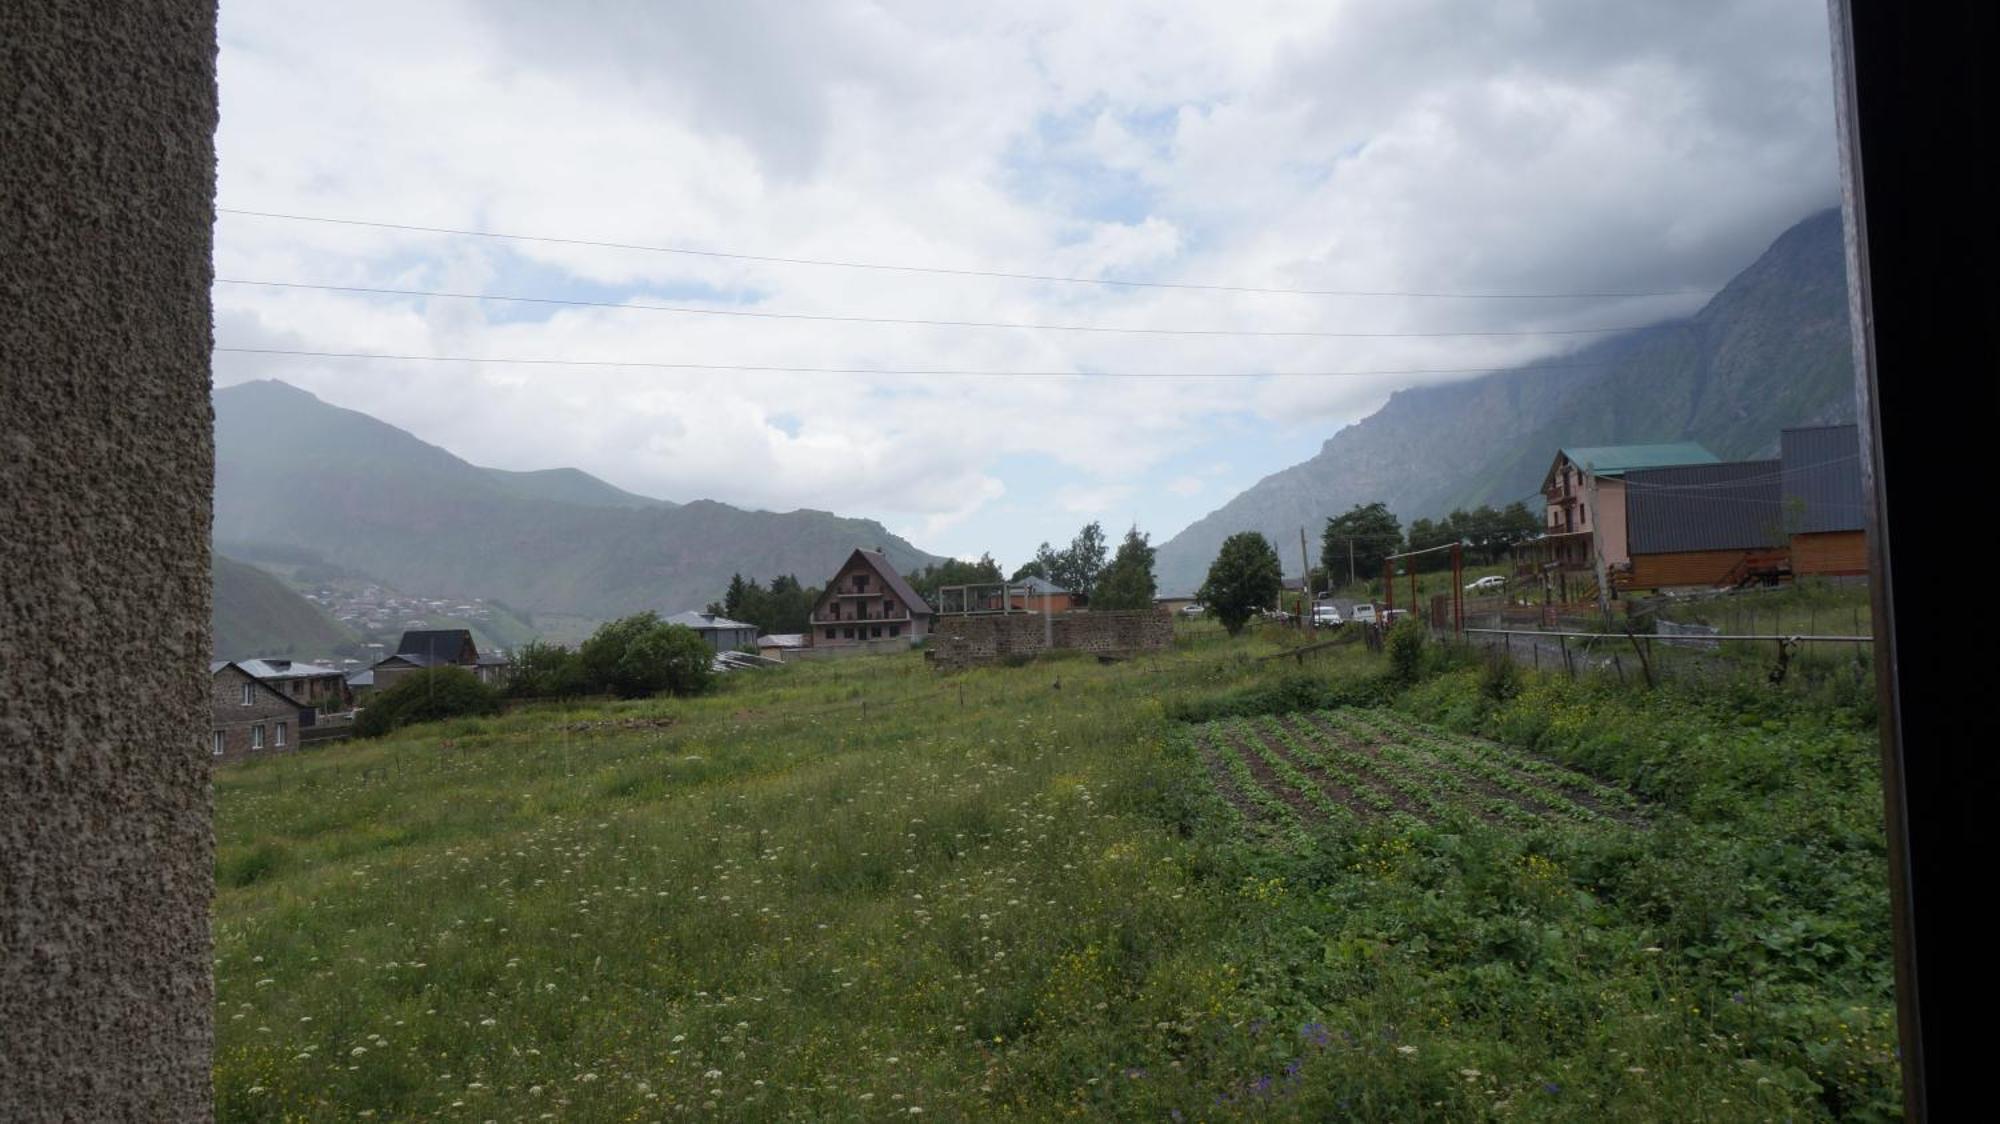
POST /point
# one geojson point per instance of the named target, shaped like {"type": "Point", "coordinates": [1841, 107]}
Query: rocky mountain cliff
{"type": "Point", "coordinates": [1770, 350]}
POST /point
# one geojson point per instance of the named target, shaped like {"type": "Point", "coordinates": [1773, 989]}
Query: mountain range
{"type": "Point", "coordinates": [337, 487]}
{"type": "Point", "coordinates": [1771, 349]}
{"type": "Point", "coordinates": [255, 614]}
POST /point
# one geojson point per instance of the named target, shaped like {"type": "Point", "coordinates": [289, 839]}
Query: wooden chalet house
{"type": "Point", "coordinates": [867, 603]}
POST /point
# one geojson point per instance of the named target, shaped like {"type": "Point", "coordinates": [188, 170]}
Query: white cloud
{"type": "Point", "coordinates": [1410, 146]}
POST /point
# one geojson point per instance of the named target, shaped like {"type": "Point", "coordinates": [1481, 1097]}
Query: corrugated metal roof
{"type": "Point", "coordinates": [285, 669]}
{"type": "Point", "coordinates": [1617, 460]}
{"type": "Point", "coordinates": [1037, 586]}
{"type": "Point", "coordinates": [1822, 489]}
{"type": "Point", "coordinates": [703, 622]}
{"type": "Point", "coordinates": [782, 640]}
{"type": "Point", "coordinates": [1731, 506]}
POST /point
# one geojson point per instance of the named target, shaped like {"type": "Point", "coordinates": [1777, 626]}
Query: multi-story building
{"type": "Point", "coordinates": [868, 603]}
{"type": "Point", "coordinates": [249, 716]}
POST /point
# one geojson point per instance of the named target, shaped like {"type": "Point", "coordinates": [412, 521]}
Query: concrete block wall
{"type": "Point", "coordinates": [107, 190]}
{"type": "Point", "coordinates": [968, 641]}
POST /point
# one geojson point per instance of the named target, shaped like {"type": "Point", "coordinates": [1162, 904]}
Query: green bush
{"type": "Point", "coordinates": [426, 696]}
{"type": "Point", "coordinates": [641, 655]}
{"type": "Point", "coordinates": [1407, 641]}
{"type": "Point", "coordinates": [545, 671]}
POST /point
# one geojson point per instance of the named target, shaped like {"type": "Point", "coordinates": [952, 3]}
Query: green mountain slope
{"type": "Point", "coordinates": [1770, 350]}
{"type": "Point", "coordinates": [353, 492]}
{"type": "Point", "coordinates": [256, 615]}
{"type": "Point", "coordinates": [569, 485]}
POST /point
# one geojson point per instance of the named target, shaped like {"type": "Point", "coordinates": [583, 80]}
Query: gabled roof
{"type": "Point", "coordinates": [708, 622]}
{"type": "Point", "coordinates": [285, 669]}
{"type": "Point", "coordinates": [1617, 460]}
{"type": "Point", "coordinates": [440, 644]}
{"type": "Point", "coordinates": [1725, 506]}
{"type": "Point", "coordinates": [215, 668]}
{"type": "Point", "coordinates": [892, 580]}
{"type": "Point", "coordinates": [1822, 489]}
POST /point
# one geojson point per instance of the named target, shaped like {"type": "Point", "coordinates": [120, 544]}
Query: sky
{"type": "Point", "coordinates": [1317, 201]}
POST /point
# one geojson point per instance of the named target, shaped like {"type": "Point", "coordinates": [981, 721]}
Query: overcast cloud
{"type": "Point", "coordinates": [1460, 147]}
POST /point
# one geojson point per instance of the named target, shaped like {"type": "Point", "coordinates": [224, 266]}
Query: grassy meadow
{"type": "Point", "coordinates": [1184, 887]}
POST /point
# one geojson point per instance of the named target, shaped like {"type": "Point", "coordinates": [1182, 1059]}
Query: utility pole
{"type": "Point", "coordinates": [1305, 578]}
{"type": "Point", "coordinates": [1350, 560]}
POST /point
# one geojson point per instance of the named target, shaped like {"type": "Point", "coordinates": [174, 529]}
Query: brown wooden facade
{"type": "Point", "coordinates": [1830, 553]}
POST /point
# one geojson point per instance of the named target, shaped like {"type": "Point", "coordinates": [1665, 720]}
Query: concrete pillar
{"type": "Point", "coordinates": [107, 185]}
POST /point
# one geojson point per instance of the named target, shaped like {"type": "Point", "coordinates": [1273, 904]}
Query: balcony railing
{"type": "Point", "coordinates": [864, 618]}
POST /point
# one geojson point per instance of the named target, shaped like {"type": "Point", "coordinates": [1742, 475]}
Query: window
{"type": "Point", "coordinates": [829, 633]}
{"type": "Point", "coordinates": [895, 630]}
{"type": "Point", "coordinates": [848, 634]}
{"type": "Point", "coordinates": [249, 694]}
{"type": "Point", "coordinates": [861, 583]}
{"type": "Point", "coordinates": [221, 742]}
{"type": "Point", "coordinates": [888, 608]}
{"type": "Point", "coordinates": [257, 736]}
{"type": "Point", "coordinates": [280, 741]}
{"type": "Point", "coordinates": [875, 632]}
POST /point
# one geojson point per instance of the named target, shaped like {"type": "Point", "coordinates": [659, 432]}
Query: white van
{"type": "Point", "coordinates": [1363, 613]}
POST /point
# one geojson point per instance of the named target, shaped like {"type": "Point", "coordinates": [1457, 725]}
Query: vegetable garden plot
{"type": "Point", "coordinates": [1350, 767]}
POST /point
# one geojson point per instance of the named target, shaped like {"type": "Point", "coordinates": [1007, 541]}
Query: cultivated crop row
{"type": "Point", "coordinates": [1347, 767]}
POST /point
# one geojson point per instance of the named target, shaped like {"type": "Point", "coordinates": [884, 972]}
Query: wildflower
{"type": "Point", "coordinates": [1551, 1088]}
{"type": "Point", "coordinates": [587, 1078]}
{"type": "Point", "coordinates": [1407, 1051]}
{"type": "Point", "coordinates": [357, 1051]}
{"type": "Point", "coordinates": [489, 1022]}
{"type": "Point", "coordinates": [1468, 1074]}
{"type": "Point", "coordinates": [713, 1074]}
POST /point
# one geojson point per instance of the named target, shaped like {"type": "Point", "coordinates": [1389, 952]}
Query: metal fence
{"type": "Point", "coordinates": [1675, 650]}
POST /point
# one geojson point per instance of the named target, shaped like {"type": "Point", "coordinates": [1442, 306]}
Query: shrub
{"type": "Point", "coordinates": [1244, 579]}
{"type": "Point", "coordinates": [1500, 678]}
{"type": "Point", "coordinates": [426, 696]}
{"type": "Point", "coordinates": [545, 671]}
{"type": "Point", "coordinates": [1407, 641]}
{"type": "Point", "coordinates": [641, 655]}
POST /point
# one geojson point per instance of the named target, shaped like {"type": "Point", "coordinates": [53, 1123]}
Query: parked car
{"type": "Point", "coordinates": [1391, 616]}
{"type": "Point", "coordinates": [1490, 581]}
{"type": "Point", "coordinates": [1363, 614]}
{"type": "Point", "coordinates": [1325, 616]}
{"type": "Point", "coordinates": [1192, 610]}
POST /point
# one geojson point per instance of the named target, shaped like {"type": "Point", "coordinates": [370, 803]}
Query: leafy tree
{"type": "Point", "coordinates": [641, 655]}
{"type": "Point", "coordinates": [543, 670]}
{"type": "Point", "coordinates": [1086, 558]}
{"type": "Point", "coordinates": [1033, 568]}
{"type": "Point", "coordinates": [1371, 529]}
{"type": "Point", "coordinates": [1244, 578]}
{"type": "Point", "coordinates": [1128, 582]}
{"type": "Point", "coordinates": [428, 695]}
{"type": "Point", "coordinates": [953, 571]}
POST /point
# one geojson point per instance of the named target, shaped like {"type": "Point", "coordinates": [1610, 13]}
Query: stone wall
{"type": "Point", "coordinates": [107, 188]}
{"type": "Point", "coordinates": [967, 641]}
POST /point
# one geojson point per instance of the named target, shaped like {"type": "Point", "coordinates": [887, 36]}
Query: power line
{"type": "Point", "coordinates": [756, 367]}
{"type": "Point", "coordinates": [952, 272]}
{"type": "Point", "coordinates": [761, 314]}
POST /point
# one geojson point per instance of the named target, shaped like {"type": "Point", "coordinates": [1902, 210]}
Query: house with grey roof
{"type": "Point", "coordinates": [248, 716]}
{"type": "Point", "coordinates": [866, 605]}
{"type": "Point", "coordinates": [437, 647]}
{"type": "Point", "coordinates": [309, 684]}
{"type": "Point", "coordinates": [722, 634]}
{"type": "Point", "coordinates": [1826, 517]}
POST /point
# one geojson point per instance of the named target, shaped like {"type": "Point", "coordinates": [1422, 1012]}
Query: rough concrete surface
{"type": "Point", "coordinates": [107, 182]}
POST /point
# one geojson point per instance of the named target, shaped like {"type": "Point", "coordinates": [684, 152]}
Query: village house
{"type": "Point", "coordinates": [1032, 595]}
{"type": "Point", "coordinates": [422, 648]}
{"type": "Point", "coordinates": [308, 684]}
{"type": "Point", "coordinates": [722, 634]}
{"type": "Point", "coordinates": [868, 603]}
{"type": "Point", "coordinates": [1583, 493]}
{"type": "Point", "coordinates": [250, 716]}
{"type": "Point", "coordinates": [1667, 516]}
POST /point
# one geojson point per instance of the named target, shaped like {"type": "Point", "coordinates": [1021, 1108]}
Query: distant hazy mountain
{"type": "Point", "coordinates": [255, 614]}
{"type": "Point", "coordinates": [1770, 350]}
{"type": "Point", "coordinates": [296, 473]}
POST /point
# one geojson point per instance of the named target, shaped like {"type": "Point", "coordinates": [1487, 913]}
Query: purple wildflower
{"type": "Point", "coordinates": [1316, 1033]}
{"type": "Point", "coordinates": [1551, 1088]}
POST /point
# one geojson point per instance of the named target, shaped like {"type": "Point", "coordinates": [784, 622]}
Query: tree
{"type": "Point", "coordinates": [1370, 530]}
{"type": "Point", "coordinates": [1244, 578]}
{"type": "Point", "coordinates": [1128, 582]}
{"type": "Point", "coordinates": [428, 695]}
{"type": "Point", "coordinates": [953, 571]}
{"type": "Point", "coordinates": [641, 655]}
{"type": "Point", "coordinates": [543, 670]}
{"type": "Point", "coordinates": [1033, 568]}
{"type": "Point", "coordinates": [732, 601]}
{"type": "Point", "coordinates": [1084, 560]}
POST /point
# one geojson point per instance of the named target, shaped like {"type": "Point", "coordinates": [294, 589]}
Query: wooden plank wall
{"type": "Point", "coordinates": [1830, 553]}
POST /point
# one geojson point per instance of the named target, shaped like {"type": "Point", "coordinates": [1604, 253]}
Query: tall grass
{"type": "Point", "coordinates": [857, 889]}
